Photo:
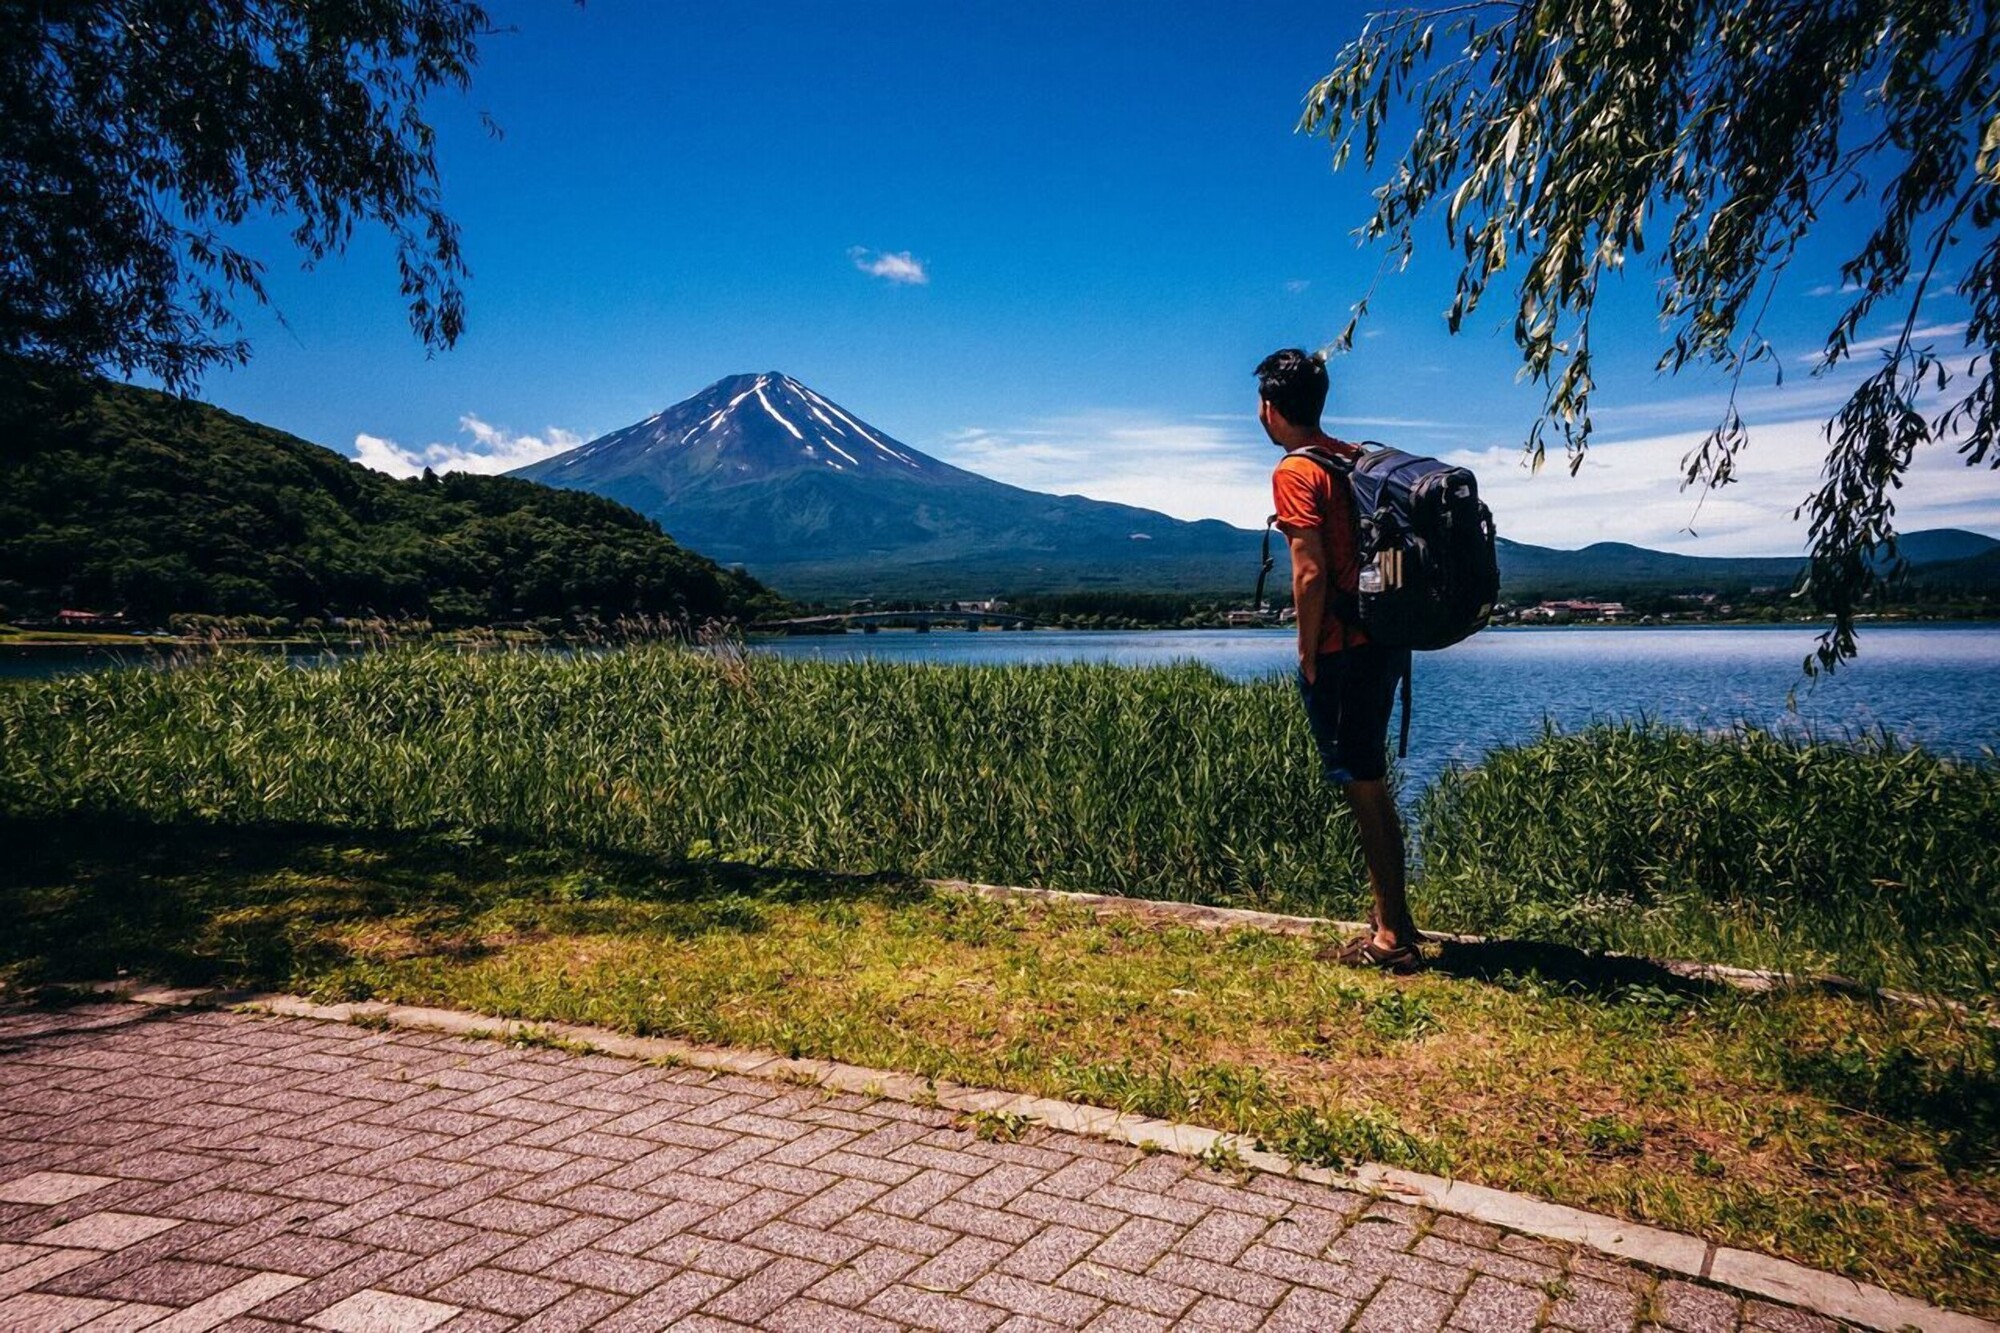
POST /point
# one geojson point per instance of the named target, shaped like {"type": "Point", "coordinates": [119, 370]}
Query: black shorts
{"type": "Point", "coordinates": [1348, 708]}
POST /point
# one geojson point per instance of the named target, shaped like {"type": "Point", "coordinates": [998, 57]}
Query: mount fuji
{"type": "Point", "coordinates": [761, 471]}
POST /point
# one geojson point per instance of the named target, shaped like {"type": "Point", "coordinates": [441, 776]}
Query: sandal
{"type": "Point", "coordinates": [1417, 937]}
{"type": "Point", "coordinates": [1363, 951]}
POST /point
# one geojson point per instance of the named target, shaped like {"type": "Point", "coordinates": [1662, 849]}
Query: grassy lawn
{"type": "Point", "coordinates": [1848, 1135]}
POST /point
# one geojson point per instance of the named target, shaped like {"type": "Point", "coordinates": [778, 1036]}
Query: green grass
{"type": "Point", "coordinates": [1847, 1134]}
{"type": "Point", "coordinates": [1168, 783]}
{"type": "Point", "coordinates": [1871, 860]}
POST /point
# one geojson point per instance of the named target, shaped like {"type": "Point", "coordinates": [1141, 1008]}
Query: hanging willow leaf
{"type": "Point", "coordinates": [131, 130]}
{"type": "Point", "coordinates": [1558, 132]}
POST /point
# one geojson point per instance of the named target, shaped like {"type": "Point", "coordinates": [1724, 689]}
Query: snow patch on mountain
{"type": "Point", "coordinates": [757, 424]}
{"type": "Point", "coordinates": [775, 414]}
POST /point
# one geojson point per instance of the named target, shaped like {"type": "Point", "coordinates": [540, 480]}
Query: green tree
{"type": "Point", "coordinates": [1556, 136]}
{"type": "Point", "coordinates": [136, 134]}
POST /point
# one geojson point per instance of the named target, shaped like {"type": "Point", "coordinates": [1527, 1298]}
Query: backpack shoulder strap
{"type": "Point", "coordinates": [1257, 600]}
{"type": "Point", "coordinates": [1338, 464]}
{"type": "Point", "coordinates": [1403, 739]}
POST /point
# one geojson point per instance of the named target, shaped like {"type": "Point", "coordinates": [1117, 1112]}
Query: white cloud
{"type": "Point", "coordinates": [1811, 397]}
{"type": "Point", "coordinates": [386, 456]}
{"type": "Point", "coordinates": [899, 267]}
{"type": "Point", "coordinates": [1297, 285]}
{"type": "Point", "coordinates": [1403, 423]}
{"type": "Point", "coordinates": [1627, 491]}
{"type": "Point", "coordinates": [1920, 335]}
{"type": "Point", "coordinates": [489, 450]}
{"type": "Point", "coordinates": [1186, 468]}
{"type": "Point", "coordinates": [1340, 425]}
{"type": "Point", "coordinates": [1630, 491]}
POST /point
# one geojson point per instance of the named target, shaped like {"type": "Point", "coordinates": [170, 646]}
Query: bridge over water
{"type": "Point", "coordinates": [870, 621]}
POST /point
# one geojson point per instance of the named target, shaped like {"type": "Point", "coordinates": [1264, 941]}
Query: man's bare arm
{"type": "Point", "coordinates": [1309, 576]}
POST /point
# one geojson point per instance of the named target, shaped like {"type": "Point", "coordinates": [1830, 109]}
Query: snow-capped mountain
{"type": "Point", "coordinates": [761, 470]}
{"type": "Point", "coordinates": [748, 424]}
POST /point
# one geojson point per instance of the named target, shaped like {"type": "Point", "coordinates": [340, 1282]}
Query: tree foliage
{"type": "Point", "coordinates": [121, 499]}
{"type": "Point", "coordinates": [136, 134]}
{"type": "Point", "coordinates": [1555, 137]}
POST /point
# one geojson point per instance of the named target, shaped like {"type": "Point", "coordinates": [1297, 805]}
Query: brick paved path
{"type": "Point", "coordinates": [181, 1171]}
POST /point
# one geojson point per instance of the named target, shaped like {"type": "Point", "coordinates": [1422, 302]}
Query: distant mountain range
{"type": "Point", "coordinates": [760, 470]}
{"type": "Point", "coordinates": [1937, 556]}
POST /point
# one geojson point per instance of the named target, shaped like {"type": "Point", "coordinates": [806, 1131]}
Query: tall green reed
{"type": "Point", "coordinates": [1166, 782]}
{"type": "Point", "coordinates": [1864, 856]}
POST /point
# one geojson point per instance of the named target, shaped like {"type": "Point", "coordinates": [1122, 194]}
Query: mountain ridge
{"type": "Point", "coordinates": [121, 498]}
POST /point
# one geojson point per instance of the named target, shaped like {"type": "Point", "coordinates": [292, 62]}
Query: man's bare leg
{"type": "Point", "coordinates": [1382, 848]}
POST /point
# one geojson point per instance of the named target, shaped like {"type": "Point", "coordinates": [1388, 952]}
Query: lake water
{"type": "Point", "coordinates": [1935, 685]}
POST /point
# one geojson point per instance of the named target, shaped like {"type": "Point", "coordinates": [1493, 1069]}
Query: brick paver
{"type": "Point", "coordinates": [192, 1170]}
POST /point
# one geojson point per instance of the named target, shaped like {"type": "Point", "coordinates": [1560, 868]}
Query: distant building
{"type": "Point", "coordinates": [91, 619]}
{"type": "Point", "coordinates": [1576, 609]}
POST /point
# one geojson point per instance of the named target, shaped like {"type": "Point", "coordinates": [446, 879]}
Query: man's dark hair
{"type": "Point", "coordinates": [1293, 382]}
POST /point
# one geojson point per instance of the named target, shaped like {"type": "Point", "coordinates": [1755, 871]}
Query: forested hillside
{"type": "Point", "coordinates": [121, 499]}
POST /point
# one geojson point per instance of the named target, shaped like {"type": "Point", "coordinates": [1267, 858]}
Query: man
{"type": "Point", "coordinates": [1347, 682]}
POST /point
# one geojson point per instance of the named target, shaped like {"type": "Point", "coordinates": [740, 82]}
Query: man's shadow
{"type": "Point", "coordinates": [1565, 967]}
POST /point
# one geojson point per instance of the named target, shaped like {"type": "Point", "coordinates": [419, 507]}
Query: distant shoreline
{"type": "Point", "coordinates": [35, 644]}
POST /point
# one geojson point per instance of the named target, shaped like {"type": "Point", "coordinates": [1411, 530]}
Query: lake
{"type": "Point", "coordinates": [1935, 685]}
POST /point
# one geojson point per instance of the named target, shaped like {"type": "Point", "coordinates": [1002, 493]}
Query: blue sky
{"type": "Point", "coordinates": [1047, 242]}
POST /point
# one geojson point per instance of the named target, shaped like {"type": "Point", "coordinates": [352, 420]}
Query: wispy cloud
{"type": "Point", "coordinates": [1404, 423]}
{"type": "Point", "coordinates": [1189, 468]}
{"type": "Point", "coordinates": [1337, 424]}
{"type": "Point", "coordinates": [899, 267]}
{"type": "Point", "coordinates": [1801, 397]}
{"type": "Point", "coordinates": [1815, 396]}
{"type": "Point", "coordinates": [1628, 490]}
{"type": "Point", "coordinates": [1920, 335]}
{"type": "Point", "coordinates": [1297, 285]}
{"type": "Point", "coordinates": [488, 449]}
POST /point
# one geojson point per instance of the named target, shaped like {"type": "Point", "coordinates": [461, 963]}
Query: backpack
{"type": "Point", "coordinates": [1430, 570]}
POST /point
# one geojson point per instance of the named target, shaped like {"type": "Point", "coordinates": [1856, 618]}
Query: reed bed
{"type": "Point", "coordinates": [1869, 859]}
{"type": "Point", "coordinates": [1167, 783]}
{"type": "Point", "coordinates": [1864, 856]}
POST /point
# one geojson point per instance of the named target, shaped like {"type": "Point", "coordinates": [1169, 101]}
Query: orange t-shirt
{"type": "Point", "coordinates": [1307, 497]}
